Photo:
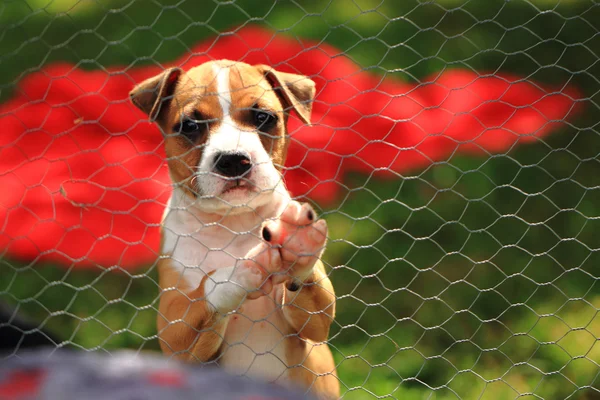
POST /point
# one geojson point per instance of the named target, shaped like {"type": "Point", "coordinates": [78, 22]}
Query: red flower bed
{"type": "Point", "coordinates": [82, 171]}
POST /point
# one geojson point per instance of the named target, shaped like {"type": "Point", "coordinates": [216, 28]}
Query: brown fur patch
{"type": "Point", "coordinates": [310, 312]}
{"type": "Point", "coordinates": [195, 97]}
{"type": "Point", "coordinates": [312, 366]}
{"type": "Point", "coordinates": [187, 329]}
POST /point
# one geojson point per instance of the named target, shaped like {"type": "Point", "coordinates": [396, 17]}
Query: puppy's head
{"type": "Point", "coordinates": [225, 128]}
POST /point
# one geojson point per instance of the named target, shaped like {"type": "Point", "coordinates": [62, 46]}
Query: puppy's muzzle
{"type": "Point", "coordinates": [232, 165]}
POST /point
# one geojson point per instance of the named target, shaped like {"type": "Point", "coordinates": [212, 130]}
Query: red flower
{"type": "Point", "coordinates": [83, 173]}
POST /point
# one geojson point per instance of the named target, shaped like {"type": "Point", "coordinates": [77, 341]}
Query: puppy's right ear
{"type": "Point", "coordinates": [154, 95]}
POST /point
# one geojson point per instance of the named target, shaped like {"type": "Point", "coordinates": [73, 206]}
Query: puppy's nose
{"type": "Point", "coordinates": [232, 165]}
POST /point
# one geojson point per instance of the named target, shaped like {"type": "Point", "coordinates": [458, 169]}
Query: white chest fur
{"type": "Point", "coordinates": [254, 342]}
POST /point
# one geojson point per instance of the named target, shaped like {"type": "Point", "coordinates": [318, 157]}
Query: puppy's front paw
{"type": "Point", "coordinates": [227, 288]}
{"type": "Point", "coordinates": [300, 238]}
{"type": "Point", "coordinates": [256, 268]}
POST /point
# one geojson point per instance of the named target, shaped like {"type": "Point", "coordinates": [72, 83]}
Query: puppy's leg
{"type": "Point", "coordinates": [307, 295]}
{"type": "Point", "coordinates": [192, 322]}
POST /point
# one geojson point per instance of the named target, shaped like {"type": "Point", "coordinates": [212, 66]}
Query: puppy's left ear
{"type": "Point", "coordinates": [296, 91]}
{"type": "Point", "coordinates": [153, 95]}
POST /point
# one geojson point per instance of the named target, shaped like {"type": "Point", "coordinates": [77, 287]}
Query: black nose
{"type": "Point", "coordinates": [232, 165]}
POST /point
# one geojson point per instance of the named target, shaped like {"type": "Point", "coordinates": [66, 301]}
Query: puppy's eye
{"type": "Point", "coordinates": [190, 128]}
{"type": "Point", "coordinates": [264, 120]}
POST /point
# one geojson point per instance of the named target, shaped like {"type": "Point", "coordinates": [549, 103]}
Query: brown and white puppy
{"type": "Point", "coordinates": [242, 283]}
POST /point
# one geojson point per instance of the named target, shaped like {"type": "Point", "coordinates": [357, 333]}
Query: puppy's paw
{"type": "Point", "coordinates": [256, 268]}
{"type": "Point", "coordinates": [227, 288]}
{"type": "Point", "coordinates": [300, 238]}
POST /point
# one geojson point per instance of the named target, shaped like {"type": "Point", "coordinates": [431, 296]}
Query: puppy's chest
{"type": "Point", "coordinates": [197, 252]}
{"type": "Point", "coordinates": [254, 342]}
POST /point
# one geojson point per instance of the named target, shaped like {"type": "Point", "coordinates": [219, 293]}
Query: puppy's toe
{"type": "Point", "coordinates": [275, 232]}
{"type": "Point", "coordinates": [304, 245]}
{"type": "Point", "coordinates": [265, 256]}
{"type": "Point", "coordinates": [257, 267]}
{"type": "Point", "coordinates": [250, 277]}
{"type": "Point", "coordinates": [317, 232]}
{"type": "Point", "coordinates": [298, 214]}
{"type": "Point", "coordinates": [300, 223]}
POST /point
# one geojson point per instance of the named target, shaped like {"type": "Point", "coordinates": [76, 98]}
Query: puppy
{"type": "Point", "coordinates": [242, 283]}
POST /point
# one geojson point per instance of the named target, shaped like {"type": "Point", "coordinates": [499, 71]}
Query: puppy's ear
{"type": "Point", "coordinates": [296, 91]}
{"type": "Point", "coordinates": [153, 95]}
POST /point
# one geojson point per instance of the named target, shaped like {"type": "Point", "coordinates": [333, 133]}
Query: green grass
{"type": "Point", "coordinates": [474, 278]}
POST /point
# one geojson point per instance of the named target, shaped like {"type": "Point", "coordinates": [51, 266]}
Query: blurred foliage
{"type": "Point", "coordinates": [476, 278]}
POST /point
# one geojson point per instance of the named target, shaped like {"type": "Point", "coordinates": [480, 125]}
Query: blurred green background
{"type": "Point", "coordinates": [475, 278]}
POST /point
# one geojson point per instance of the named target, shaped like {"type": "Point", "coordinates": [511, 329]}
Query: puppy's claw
{"type": "Point", "coordinates": [298, 214]}
{"type": "Point", "coordinates": [266, 234]}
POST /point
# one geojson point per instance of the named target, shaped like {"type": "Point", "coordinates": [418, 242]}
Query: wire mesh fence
{"type": "Point", "coordinates": [453, 153]}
